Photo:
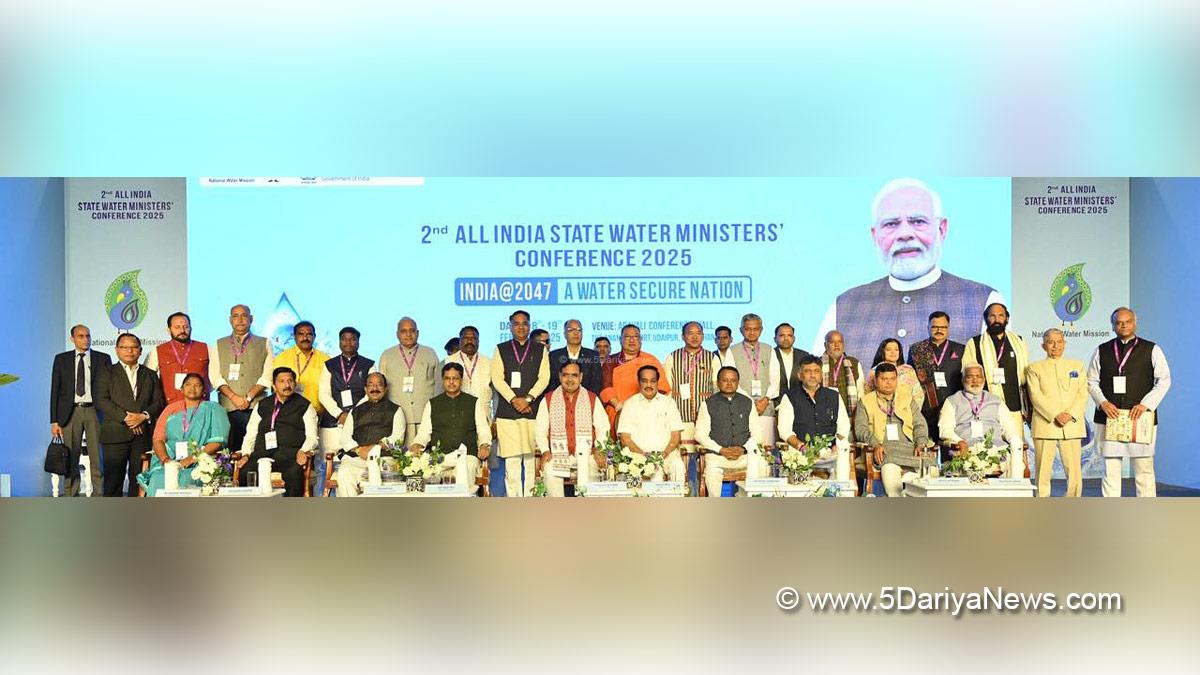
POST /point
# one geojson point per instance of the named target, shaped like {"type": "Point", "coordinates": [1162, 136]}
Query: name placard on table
{"type": "Point", "coordinates": [388, 489]}
{"type": "Point", "coordinates": [447, 490]}
{"type": "Point", "coordinates": [180, 492]}
{"type": "Point", "coordinates": [663, 489]}
{"type": "Point", "coordinates": [252, 491]}
{"type": "Point", "coordinates": [607, 488]}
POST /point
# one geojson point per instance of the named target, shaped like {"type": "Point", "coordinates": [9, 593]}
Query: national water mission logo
{"type": "Point", "coordinates": [126, 302]}
{"type": "Point", "coordinates": [1070, 295]}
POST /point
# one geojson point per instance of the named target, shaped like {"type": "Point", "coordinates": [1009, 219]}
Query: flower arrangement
{"type": "Point", "coordinates": [798, 463]}
{"type": "Point", "coordinates": [211, 470]}
{"type": "Point", "coordinates": [415, 467]}
{"type": "Point", "coordinates": [978, 461]}
{"type": "Point", "coordinates": [654, 464]}
{"type": "Point", "coordinates": [822, 444]}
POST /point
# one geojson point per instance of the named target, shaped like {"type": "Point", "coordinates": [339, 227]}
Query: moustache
{"type": "Point", "coordinates": [907, 246]}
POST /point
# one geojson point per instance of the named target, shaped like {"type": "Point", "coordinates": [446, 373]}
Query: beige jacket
{"type": "Point", "coordinates": [1052, 390]}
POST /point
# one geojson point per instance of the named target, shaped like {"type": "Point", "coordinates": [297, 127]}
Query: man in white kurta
{"type": "Point", "coordinates": [650, 422]}
{"type": "Point", "coordinates": [1127, 373]}
{"type": "Point", "coordinates": [569, 422]}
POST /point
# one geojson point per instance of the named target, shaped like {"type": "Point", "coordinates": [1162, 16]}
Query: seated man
{"type": "Point", "coordinates": [650, 422]}
{"type": "Point", "coordinates": [727, 432]}
{"type": "Point", "coordinates": [889, 421]}
{"type": "Point", "coordinates": [369, 423]}
{"type": "Point", "coordinates": [816, 410]}
{"type": "Point", "coordinates": [455, 418]}
{"type": "Point", "coordinates": [283, 428]}
{"type": "Point", "coordinates": [571, 419]}
{"type": "Point", "coordinates": [969, 414]}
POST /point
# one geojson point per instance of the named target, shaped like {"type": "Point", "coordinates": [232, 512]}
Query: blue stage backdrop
{"type": "Point", "coordinates": [31, 324]}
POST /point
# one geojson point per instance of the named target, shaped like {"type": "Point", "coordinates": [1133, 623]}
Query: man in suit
{"type": "Point", "coordinates": [130, 399]}
{"type": "Point", "coordinates": [1058, 394]}
{"type": "Point", "coordinates": [938, 364]}
{"type": "Point", "coordinates": [73, 381]}
{"type": "Point", "coordinates": [588, 359]}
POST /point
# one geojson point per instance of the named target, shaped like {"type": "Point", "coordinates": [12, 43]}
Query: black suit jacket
{"type": "Point", "coordinates": [589, 363]}
{"type": "Point", "coordinates": [116, 399]}
{"type": "Point", "coordinates": [62, 383]}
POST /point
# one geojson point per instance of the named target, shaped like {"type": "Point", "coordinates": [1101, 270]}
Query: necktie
{"type": "Point", "coordinates": [80, 388]}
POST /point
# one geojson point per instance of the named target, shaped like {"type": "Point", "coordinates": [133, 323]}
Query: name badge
{"type": "Point", "coordinates": [235, 372]}
{"type": "Point", "coordinates": [179, 380]}
{"type": "Point", "coordinates": [409, 384]}
{"type": "Point", "coordinates": [976, 429]}
{"type": "Point", "coordinates": [685, 391]}
{"type": "Point", "coordinates": [1118, 384]}
{"type": "Point", "coordinates": [181, 450]}
{"type": "Point", "coordinates": [756, 388]}
{"type": "Point", "coordinates": [939, 378]}
{"type": "Point", "coordinates": [514, 379]}
{"type": "Point", "coordinates": [852, 391]}
{"type": "Point", "coordinates": [999, 377]}
{"type": "Point", "coordinates": [271, 440]}
{"type": "Point", "coordinates": [893, 432]}
{"type": "Point", "coordinates": [347, 398]}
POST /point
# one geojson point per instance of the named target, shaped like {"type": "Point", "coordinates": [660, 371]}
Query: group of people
{"type": "Point", "coordinates": [535, 406]}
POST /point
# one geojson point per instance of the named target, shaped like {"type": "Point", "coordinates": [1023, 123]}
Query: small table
{"type": "Point", "coordinates": [620, 489]}
{"type": "Point", "coordinates": [779, 487]}
{"type": "Point", "coordinates": [195, 492]}
{"type": "Point", "coordinates": [961, 487]}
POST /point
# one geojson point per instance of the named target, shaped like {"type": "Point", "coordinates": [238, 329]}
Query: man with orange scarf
{"type": "Point", "coordinates": [619, 374]}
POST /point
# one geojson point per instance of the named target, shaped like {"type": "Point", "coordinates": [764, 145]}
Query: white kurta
{"type": "Point", "coordinates": [1162, 382]}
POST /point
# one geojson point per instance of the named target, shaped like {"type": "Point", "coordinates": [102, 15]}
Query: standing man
{"type": "Point", "coordinates": [242, 366]}
{"type": "Point", "coordinates": [723, 336]}
{"type": "Point", "coordinates": [1005, 359]}
{"type": "Point", "coordinates": [758, 379]}
{"type": "Point", "coordinates": [569, 421]}
{"type": "Point", "coordinates": [130, 398]}
{"type": "Point", "coordinates": [73, 381]}
{"type": "Point", "coordinates": [620, 373]}
{"type": "Point", "coordinates": [938, 363]}
{"type": "Point", "coordinates": [520, 373]}
{"type": "Point", "coordinates": [842, 372]}
{"type": "Point", "coordinates": [650, 423]}
{"type": "Point", "coordinates": [476, 368]}
{"type": "Point", "coordinates": [588, 360]}
{"type": "Point", "coordinates": [308, 364]}
{"type": "Point", "coordinates": [1130, 374]}
{"type": "Point", "coordinates": [726, 429]}
{"type": "Point", "coordinates": [815, 410]}
{"type": "Point", "coordinates": [455, 419]}
{"type": "Point", "coordinates": [787, 361]}
{"type": "Point", "coordinates": [691, 373]}
{"type": "Point", "coordinates": [342, 385]}
{"type": "Point", "coordinates": [1058, 394]}
{"type": "Point", "coordinates": [603, 347]}
{"type": "Point", "coordinates": [411, 371]}
{"type": "Point", "coordinates": [177, 357]}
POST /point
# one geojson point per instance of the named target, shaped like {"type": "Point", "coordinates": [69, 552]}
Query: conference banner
{"type": "Point", "coordinates": [1070, 268]}
{"type": "Point", "coordinates": [126, 256]}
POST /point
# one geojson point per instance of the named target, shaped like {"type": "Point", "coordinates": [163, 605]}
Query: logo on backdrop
{"type": "Point", "coordinates": [125, 301]}
{"type": "Point", "coordinates": [1070, 295]}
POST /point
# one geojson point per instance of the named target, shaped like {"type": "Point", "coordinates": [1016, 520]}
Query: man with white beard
{"type": "Point", "coordinates": [909, 229]}
{"type": "Point", "coordinates": [969, 414]}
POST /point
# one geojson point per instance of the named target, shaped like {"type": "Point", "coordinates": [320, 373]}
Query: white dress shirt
{"type": "Point", "coordinates": [649, 422]}
{"type": "Point", "coordinates": [87, 375]}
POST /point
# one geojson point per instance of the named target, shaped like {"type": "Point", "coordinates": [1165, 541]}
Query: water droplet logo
{"type": "Point", "coordinates": [125, 301]}
{"type": "Point", "coordinates": [1070, 295]}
